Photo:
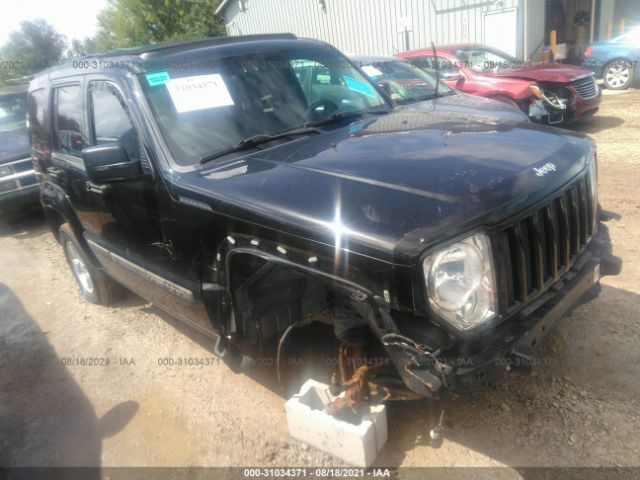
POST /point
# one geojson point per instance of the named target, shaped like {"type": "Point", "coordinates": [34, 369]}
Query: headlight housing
{"type": "Point", "coordinates": [461, 283]}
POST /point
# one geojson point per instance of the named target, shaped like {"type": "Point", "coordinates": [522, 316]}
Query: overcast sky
{"type": "Point", "coordinates": [74, 19]}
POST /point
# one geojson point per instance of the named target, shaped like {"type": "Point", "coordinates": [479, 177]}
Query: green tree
{"type": "Point", "coordinates": [127, 23]}
{"type": "Point", "coordinates": [81, 48]}
{"type": "Point", "coordinates": [34, 46]}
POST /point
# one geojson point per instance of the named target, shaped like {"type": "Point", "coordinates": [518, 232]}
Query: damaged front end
{"type": "Point", "coordinates": [431, 369]}
{"type": "Point", "coordinates": [545, 262]}
{"type": "Point", "coordinates": [550, 105]}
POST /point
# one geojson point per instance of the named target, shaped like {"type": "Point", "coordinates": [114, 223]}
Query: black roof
{"type": "Point", "coordinates": [138, 59]}
{"type": "Point", "coordinates": [176, 47]}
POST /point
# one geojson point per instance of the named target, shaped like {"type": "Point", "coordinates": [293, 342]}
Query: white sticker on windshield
{"type": "Point", "coordinates": [199, 92]}
{"type": "Point", "coordinates": [371, 71]}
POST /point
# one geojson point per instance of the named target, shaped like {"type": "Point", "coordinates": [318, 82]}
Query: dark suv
{"type": "Point", "coordinates": [18, 185]}
{"type": "Point", "coordinates": [438, 243]}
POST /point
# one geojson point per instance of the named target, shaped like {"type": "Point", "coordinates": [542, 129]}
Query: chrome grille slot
{"type": "Point", "coordinates": [586, 87]}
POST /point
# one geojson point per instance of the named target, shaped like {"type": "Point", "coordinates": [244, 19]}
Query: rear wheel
{"type": "Point", "coordinates": [94, 285]}
{"type": "Point", "coordinates": [618, 75]}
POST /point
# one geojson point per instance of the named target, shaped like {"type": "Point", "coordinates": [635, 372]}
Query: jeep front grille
{"type": "Point", "coordinates": [18, 174]}
{"type": "Point", "coordinates": [538, 249]}
{"type": "Point", "coordinates": [586, 87]}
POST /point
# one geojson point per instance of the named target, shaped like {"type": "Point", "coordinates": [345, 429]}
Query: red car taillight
{"type": "Point", "coordinates": [588, 51]}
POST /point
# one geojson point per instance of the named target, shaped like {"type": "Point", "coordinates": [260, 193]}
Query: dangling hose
{"type": "Point", "coordinates": [279, 353]}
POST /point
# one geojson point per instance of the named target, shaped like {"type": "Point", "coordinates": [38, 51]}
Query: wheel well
{"type": "Point", "coordinates": [269, 297]}
{"type": "Point", "coordinates": [617, 59]}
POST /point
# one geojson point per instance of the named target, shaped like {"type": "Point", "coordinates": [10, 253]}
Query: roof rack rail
{"type": "Point", "coordinates": [202, 42]}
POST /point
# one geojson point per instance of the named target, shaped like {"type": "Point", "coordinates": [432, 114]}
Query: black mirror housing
{"type": "Point", "coordinates": [110, 163]}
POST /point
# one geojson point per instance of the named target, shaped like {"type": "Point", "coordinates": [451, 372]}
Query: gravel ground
{"type": "Point", "coordinates": [580, 407]}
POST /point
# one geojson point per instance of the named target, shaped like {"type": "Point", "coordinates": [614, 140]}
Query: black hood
{"type": "Point", "coordinates": [389, 186]}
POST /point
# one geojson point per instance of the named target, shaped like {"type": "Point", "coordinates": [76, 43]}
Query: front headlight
{"type": "Point", "coordinates": [536, 90]}
{"type": "Point", "coordinates": [461, 283]}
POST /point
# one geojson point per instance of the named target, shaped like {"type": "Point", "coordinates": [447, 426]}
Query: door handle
{"type": "Point", "coordinates": [93, 188]}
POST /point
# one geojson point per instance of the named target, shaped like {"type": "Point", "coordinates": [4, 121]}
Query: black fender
{"type": "Point", "coordinates": [320, 264]}
{"type": "Point", "coordinates": [58, 210]}
{"type": "Point", "coordinates": [370, 299]}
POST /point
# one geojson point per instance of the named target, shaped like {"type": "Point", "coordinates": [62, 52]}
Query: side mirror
{"type": "Point", "coordinates": [110, 163]}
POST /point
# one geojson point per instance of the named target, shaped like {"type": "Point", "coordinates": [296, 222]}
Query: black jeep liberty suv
{"type": "Point", "coordinates": [257, 185]}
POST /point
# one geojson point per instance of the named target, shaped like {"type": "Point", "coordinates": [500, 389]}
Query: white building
{"type": "Point", "coordinates": [386, 27]}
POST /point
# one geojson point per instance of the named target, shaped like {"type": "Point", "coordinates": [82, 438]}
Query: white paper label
{"type": "Point", "coordinates": [199, 93]}
{"type": "Point", "coordinates": [371, 71]}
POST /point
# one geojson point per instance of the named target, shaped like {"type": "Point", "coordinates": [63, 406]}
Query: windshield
{"type": "Point", "coordinates": [404, 82]}
{"type": "Point", "coordinates": [485, 60]}
{"type": "Point", "coordinates": [13, 113]}
{"type": "Point", "coordinates": [213, 105]}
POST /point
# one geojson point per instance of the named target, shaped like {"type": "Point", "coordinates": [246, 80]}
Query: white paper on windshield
{"type": "Point", "coordinates": [199, 92]}
{"type": "Point", "coordinates": [371, 71]}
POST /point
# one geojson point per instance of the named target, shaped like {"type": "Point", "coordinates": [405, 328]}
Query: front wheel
{"type": "Point", "coordinates": [94, 285]}
{"type": "Point", "coordinates": [618, 75]}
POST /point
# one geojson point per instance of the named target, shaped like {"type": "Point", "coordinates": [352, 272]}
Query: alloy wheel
{"type": "Point", "coordinates": [617, 74]}
{"type": "Point", "coordinates": [79, 269]}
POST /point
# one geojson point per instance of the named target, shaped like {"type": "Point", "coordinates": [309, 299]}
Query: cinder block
{"type": "Point", "coordinates": [357, 445]}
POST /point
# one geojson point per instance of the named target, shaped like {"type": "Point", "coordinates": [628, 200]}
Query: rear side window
{"type": "Point", "coordinates": [110, 119]}
{"type": "Point", "coordinates": [69, 132]}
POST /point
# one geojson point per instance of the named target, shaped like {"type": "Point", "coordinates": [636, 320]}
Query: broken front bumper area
{"type": "Point", "coordinates": [510, 346]}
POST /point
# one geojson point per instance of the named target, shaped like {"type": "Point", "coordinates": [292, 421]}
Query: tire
{"type": "Point", "coordinates": [94, 285]}
{"type": "Point", "coordinates": [618, 75]}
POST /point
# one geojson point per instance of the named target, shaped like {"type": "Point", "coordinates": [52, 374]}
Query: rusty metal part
{"type": "Point", "coordinates": [352, 377]}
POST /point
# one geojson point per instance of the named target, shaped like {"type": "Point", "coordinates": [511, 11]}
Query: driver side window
{"type": "Point", "coordinates": [110, 120]}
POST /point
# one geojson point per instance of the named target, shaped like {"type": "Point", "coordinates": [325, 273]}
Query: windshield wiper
{"type": "Point", "coordinates": [255, 140]}
{"type": "Point", "coordinates": [342, 115]}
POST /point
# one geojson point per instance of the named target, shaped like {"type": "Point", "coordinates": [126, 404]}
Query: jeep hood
{"type": "Point", "coordinates": [543, 72]}
{"type": "Point", "coordinates": [390, 186]}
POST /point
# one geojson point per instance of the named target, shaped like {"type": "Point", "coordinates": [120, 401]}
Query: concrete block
{"type": "Point", "coordinates": [357, 445]}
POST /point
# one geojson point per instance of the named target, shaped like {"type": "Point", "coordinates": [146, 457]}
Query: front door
{"type": "Point", "coordinates": [130, 241]}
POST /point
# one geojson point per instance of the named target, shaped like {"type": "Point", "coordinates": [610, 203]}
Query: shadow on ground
{"type": "Point", "coordinates": [29, 225]}
{"type": "Point", "coordinates": [595, 124]}
{"type": "Point", "coordinates": [45, 417]}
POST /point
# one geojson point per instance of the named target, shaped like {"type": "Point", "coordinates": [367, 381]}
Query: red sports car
{"type": "Point", "coordinates": [547, 93]}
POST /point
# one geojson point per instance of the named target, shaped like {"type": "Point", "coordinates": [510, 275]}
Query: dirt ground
{"type": "Point", "coordinates": [580, 407]}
